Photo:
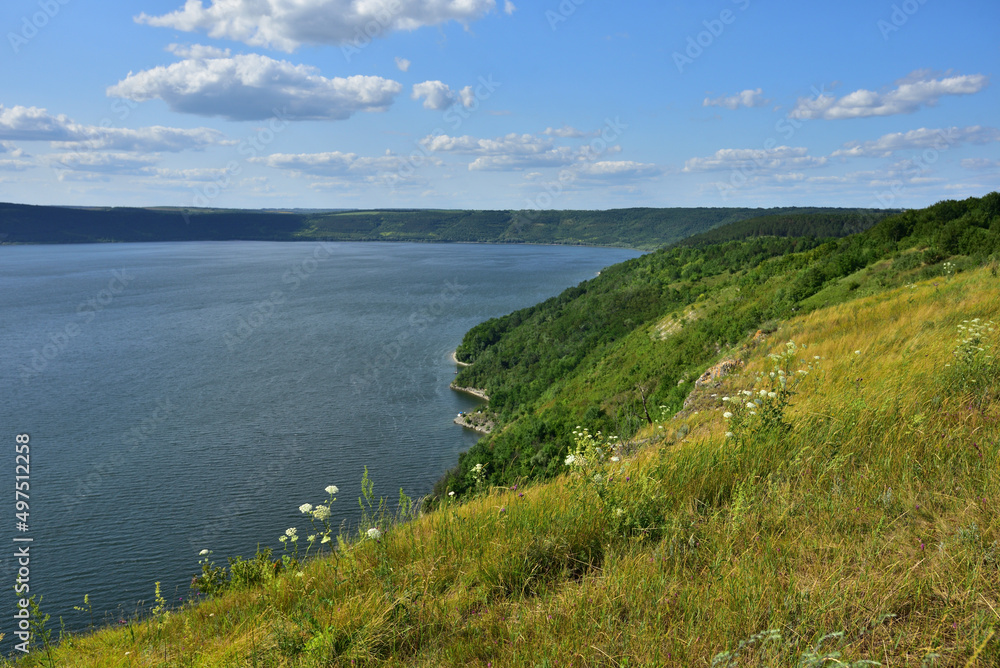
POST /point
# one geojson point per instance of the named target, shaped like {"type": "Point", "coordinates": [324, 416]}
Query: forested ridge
{"type": "Point", "coordinates": [610, 352]}
{"type": "Point", "coordinates": [640, 228]}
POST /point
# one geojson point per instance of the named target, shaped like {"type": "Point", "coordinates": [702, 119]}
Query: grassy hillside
{"type": "Point", "coordinates": [629, 228]}
{"type": "Point", "coordinates": [827, 497]}
{"type": "Point", "coordinates": [851, 521]}
{"type": "Point", "coordinates": [618, 350]}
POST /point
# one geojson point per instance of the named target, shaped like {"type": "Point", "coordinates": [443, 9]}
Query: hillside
{"type": "Point", "coordinates": [827, 497]}
{"type": "Point", "coordinates": [628, 228]}
{"type": "Point", "coordinates": [618, 350]}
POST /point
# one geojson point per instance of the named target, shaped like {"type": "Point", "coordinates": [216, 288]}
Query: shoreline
{"type": "Point", "coordinates": [455, 359]}
{"type": "Point", "coordinates": [470, 390]}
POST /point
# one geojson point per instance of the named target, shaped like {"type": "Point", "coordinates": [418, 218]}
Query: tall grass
{"type": "Point", "coordinates": [862, 532]}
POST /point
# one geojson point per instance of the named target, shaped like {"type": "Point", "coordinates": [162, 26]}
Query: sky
{"type": "Point", "coordinates": [498, 104]}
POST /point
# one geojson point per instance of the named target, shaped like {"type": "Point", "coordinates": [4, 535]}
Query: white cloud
{"type": "Point", "coordinates": [197, 51]}
{"type": "Point", "coordinates": [155, 138]}
{"type": "Point", "coordinates": [103, 163]}
{"type": "Point", "coordinates": [566, 132]}
{"type": "Point", "coordinates": [617, 170]}
{"type": "Point", "coordinates": [254, 87]}
{"type": "Point", "coordinates": [36, 124]}
{"type": "Point", "coordinates": [436, 94]}
{"type": "Point", "coordinates": [467, 97]}
{"type": "Point", "coordinates": [511, 152]}
{"type": "Point", "coordinates": [917, 90]}
{"type": "Point", "coordinates": [403, 64]}
{"type": "Point", "coordinates": [286, 25]}
{"type": "Point", "coordinates": [914, 140]}
{"type": "Point", "coordinates": [778, 158]}
{"type": "Point", "coordinates": [333, 163]}
{"type": "Point", "coordinates": [508, 7]}
{"type": "Point", "coordinates": [15, 165]}
{"type": "Point", "coordinates": [746, 98]}
{"type": "Point", "coordinates": [980, 164]}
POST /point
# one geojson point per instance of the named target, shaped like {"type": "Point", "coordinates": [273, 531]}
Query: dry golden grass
{"type": "Point", "coordinates": [868, 532]}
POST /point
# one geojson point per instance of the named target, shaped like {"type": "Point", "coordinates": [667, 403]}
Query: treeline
{"type": "Point", "coordinates": [642, 228]}
{"type": "Point", "coordinates": [608, 353]}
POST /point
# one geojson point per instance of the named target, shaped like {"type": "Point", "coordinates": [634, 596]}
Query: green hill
{"type": "Point", "coordinates": [767, 451]}
{"type": "Point", "coordinates": [629, 228]}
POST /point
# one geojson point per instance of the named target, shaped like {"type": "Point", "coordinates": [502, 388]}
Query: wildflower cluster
{"type": "Point", "coordinates": [762, 409]}
{"type": "Point", "coordinates": [974, 364]}
{"type": "Point", "coordinates": [478, 474]}
{"type": "Point", "coordinates": [317, 514]}
{"type": "Point", "coordinates": [590, 453]}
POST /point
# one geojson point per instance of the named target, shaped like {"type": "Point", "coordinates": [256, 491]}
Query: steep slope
{"type": "Point", "coordinates": [849, 519]}
{"type": "Point", "coordinates": [615, 352]}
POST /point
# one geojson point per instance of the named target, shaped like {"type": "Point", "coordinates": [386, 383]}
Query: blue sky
{"type": "Point", "coordinates": [498, 104]}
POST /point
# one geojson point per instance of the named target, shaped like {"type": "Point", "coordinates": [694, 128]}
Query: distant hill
{"type": "Point", "coordinates": [642, 228]}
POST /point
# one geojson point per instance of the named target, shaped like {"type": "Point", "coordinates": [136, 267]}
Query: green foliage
{"type": "Point", "coordinates": [629, 228]}
{"type": "Point", "coordinates": [638, 334]}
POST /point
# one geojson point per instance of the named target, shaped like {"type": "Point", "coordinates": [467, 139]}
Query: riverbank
{"type": "Point", "coordinates": [455, 359]}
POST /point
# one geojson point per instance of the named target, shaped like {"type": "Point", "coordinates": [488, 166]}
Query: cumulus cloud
{"type": "Point", "coordinates": [36, 124]}
{"type": "Point", "coordinates": [778, 158]}
{"type": "Point", "coordinates": [910, 94]}
{"type": "Point", "coordinates": [403, 64]}
{"type": "Point", "coordinates": [438, 95]}
{"type": "Point", "coordinates": [287, 25]}
{"type": "Point", "coordinates": [746, 98]}
{"type": "Point", "coordinates": [920, 139]}
{"type": "Point", "coordinates": [254, 87]}
{"type": "Point", "coordinates": [435, 94]}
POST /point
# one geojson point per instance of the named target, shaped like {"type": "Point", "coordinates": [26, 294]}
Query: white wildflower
{"type": "Point", "coordinates": [291, 531]}
{"type": "Point", "coordinates": [305, 508]}
{"type": "Point", "coordinates": [729, 434]}
{"type": "Point", "coordinates": [321, 512]}
{"type": "Point", "coordinates": [332, 490]}
{"type": "Point", "coordinates": [772, 395]}
{"type": "Point", "coordinates": [374, 533]}
{"type": "Point", "coordinates": [570, 460]}
{"type": "Point", "coordinates": [727, 415]}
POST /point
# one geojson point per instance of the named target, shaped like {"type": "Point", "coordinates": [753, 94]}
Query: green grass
{"type": "Point", "coordinates": [864, 531]}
